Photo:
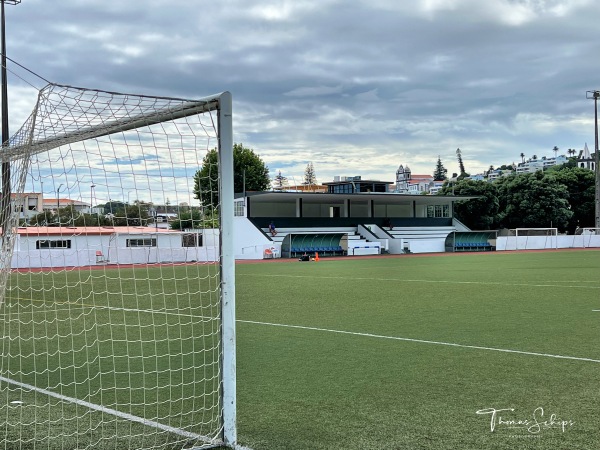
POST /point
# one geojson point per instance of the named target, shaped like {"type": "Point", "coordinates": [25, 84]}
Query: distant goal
{"type": "Point", "coordinates": [587, 237]}
{"type": "Point", "coordinates": [117, 315]}
{"type": "Point", "coordinates": [532, 239]}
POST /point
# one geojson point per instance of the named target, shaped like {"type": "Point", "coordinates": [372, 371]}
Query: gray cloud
{"type": "Point", "coordinates": [356, 87]}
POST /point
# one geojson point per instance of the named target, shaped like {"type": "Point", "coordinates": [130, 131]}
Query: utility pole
{"type": "Point", "coordinates": [6, 187]}
{"type": "Point", "coordinates": [595, 95]}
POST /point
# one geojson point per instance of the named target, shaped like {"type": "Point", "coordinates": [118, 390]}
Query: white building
{"type": "Point", "coordinates": [535, 165]}
{"type": "Point", "coordinates": [52, 204]}
{"type": "Point", "coordinates": [585, 159]}
{"type": "Point", "coordinates": [87, 246]}
{"type": "Point", "coordinates": [28, 204]}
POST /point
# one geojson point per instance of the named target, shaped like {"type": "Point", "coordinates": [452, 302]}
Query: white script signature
{"type": "Point", "coordinates": [534, 424]}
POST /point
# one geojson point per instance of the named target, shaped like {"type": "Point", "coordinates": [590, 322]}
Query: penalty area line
{"type": "Point", "coordinates": [421, 341]}
{"type": "Point", "coordinates": [114, 412]}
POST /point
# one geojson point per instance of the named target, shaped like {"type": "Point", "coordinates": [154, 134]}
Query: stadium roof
{"type": "Point", "coordinates": [388, 197]}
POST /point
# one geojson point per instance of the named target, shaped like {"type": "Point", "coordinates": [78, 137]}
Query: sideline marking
{"type": "Point", "coordinates": [421, 341]}
{"type": "Point", "coordinates": [496, 283]}
{"type": "Point", "coordinates": [351, 333]}
{"type": "Point", "coordinates": [114, 412]}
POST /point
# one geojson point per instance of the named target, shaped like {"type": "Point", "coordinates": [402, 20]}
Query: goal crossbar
{"type": "Point", "coordinates": [26, 138]}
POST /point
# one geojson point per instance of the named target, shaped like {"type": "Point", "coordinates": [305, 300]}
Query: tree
{"type": "Point", "coordinates": [68, 216]}
{"type": "Point", "coordinates": [461, 165]}
{"type": "Point", "coordinates": [479, 213]}
{"type": "Point", "coordinates": [44, 219]}
{"type": "Point", "coordinates": [555, 150]}
{"type": "Point", "coordinates": [249, 174]}
{"type": "Point", "coordinates": [463, 174]}
{"type": "Point", "coordinates": [522, 155]}
{"type": "Point", "coordinates": [279, 182]}
{"type": "Point", "coordinates": [440, 171]}
{"type": "Point", "coordinates": [112, 206]}
{"type": "Point", "coordinates": [580, 184]}
{"type": "Point", "coordinates": [310, 179]}
{"type": "Point", "coordinates": [535, 200]}
{"type": "Point", "coordinates": [130, 215]}
{"type": "Point", "coordinates": [195, 219]}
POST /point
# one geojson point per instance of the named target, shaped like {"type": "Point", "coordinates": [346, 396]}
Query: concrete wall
{"type": "Point", "coordinates": [281, 209]}
{"type": "Point", "coordinates": [89, 250]}
{"type": "Point", "coordinates": [392, 210]}
{"type": "Point", "coordinates": [547, 242]}
{"type": "Point", "coordinates": [250, 242]}
{"type": "Point", "coordinates": [425, 245]}
{"type": "Point", "coordinates": [359, 208]}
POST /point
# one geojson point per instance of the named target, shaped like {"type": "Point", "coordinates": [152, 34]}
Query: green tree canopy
{"type": "Point", "coordinates": [533, 200]}
{"type": "Point", "coordinates": [580, 185]}
{"type": "Point", "coordinates": [247, 166]}
{"type": "Point", "coordinates": [130, 215]}
{"type": "Point", "coordinates": [477, 214]}
{"type": "Point", "coordinates": [205, 218]}
{"type": "Point", "coordinates": [440, 171]}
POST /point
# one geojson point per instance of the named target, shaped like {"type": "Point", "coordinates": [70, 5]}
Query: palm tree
{"type": "Point", "coordinates": [522, 157]}
{"type": "Point", "coordinates": [555, 150]}
{"type": "Point", "coordinates": [571, 152]}
{"type": "Point", "coordinates": [534, 157]}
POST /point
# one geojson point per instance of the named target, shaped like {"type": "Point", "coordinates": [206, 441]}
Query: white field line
{"type": "Point", "coordinates": [355, 333]}
{"type": "Point", "coordinates": [420, 341]}
{"type": "Point", "coordinates": [495, 283]}
{"type": "Point", "coordinates": [110, 411]}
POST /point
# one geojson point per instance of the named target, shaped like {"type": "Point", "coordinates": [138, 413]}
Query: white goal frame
{"type": "Point", "coordinates": [588, 234]}
{"type": "Point", "coordinates": [22, 146]}
{"type": "Point", "coordinates": [532, 239]}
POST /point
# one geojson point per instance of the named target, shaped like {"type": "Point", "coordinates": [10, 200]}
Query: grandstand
{"type": "Point", "coordinates": [336, 224]}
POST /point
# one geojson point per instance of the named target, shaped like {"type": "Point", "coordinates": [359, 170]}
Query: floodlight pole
{"type": "Point", "coordinates": [58, 201]}
{"type": "Point", "coordinates": [6, 188]}
{"type": "Point", "coordinates": [595, 95]}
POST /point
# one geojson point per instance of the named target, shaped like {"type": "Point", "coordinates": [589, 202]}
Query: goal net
{"type": "Point", "coordinates": [116, 281]}
{"type": "Point", "coordinates": [587, 237]}
{"type": "Point", "coordinates": [532, 238]}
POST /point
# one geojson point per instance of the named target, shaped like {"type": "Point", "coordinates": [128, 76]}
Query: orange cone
{"type": "Point", "coordinates": [316, 256]}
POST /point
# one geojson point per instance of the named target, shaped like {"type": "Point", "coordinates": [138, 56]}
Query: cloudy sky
{"type": "Point", "coordinates": [357, 87]}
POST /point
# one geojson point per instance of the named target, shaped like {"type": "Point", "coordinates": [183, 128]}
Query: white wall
{"type": "Point", "coordinates": [426, 245]}
{"type": "Point", "coordinates": [249, 241]}
{"type": "Point", "coordinates": [114, 250]}
{"type": "Point", "coordinates": [547, 242]}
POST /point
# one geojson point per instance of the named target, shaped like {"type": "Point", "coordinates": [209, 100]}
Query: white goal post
{"type": "Point", "coordinates": [532, 238]}
{"type": "Point", "coordinates": [587, 237]}
{"type": "Point", "coordinates": [117, 283]}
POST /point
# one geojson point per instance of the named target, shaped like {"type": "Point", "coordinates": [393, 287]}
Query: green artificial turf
{"type": "Point", "coordinates": [317, 388]}
{"type": "Point", "coordinates": [383, 353]}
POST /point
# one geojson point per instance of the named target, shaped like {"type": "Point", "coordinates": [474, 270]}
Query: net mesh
{"type": "Point", "coordinates": [110, 313]}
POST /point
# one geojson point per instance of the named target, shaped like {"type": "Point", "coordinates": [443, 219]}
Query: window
{"type": "Point", "coordinates": [438, 211]}
{"type": "Point", "coordinates": [42, 244]}
{"type": "Point", "coordinates": [238, 209]}
{"type": "Point", "coordinates": [146, 242]}
{"type": "Point", "coordinates": [191, 240]}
